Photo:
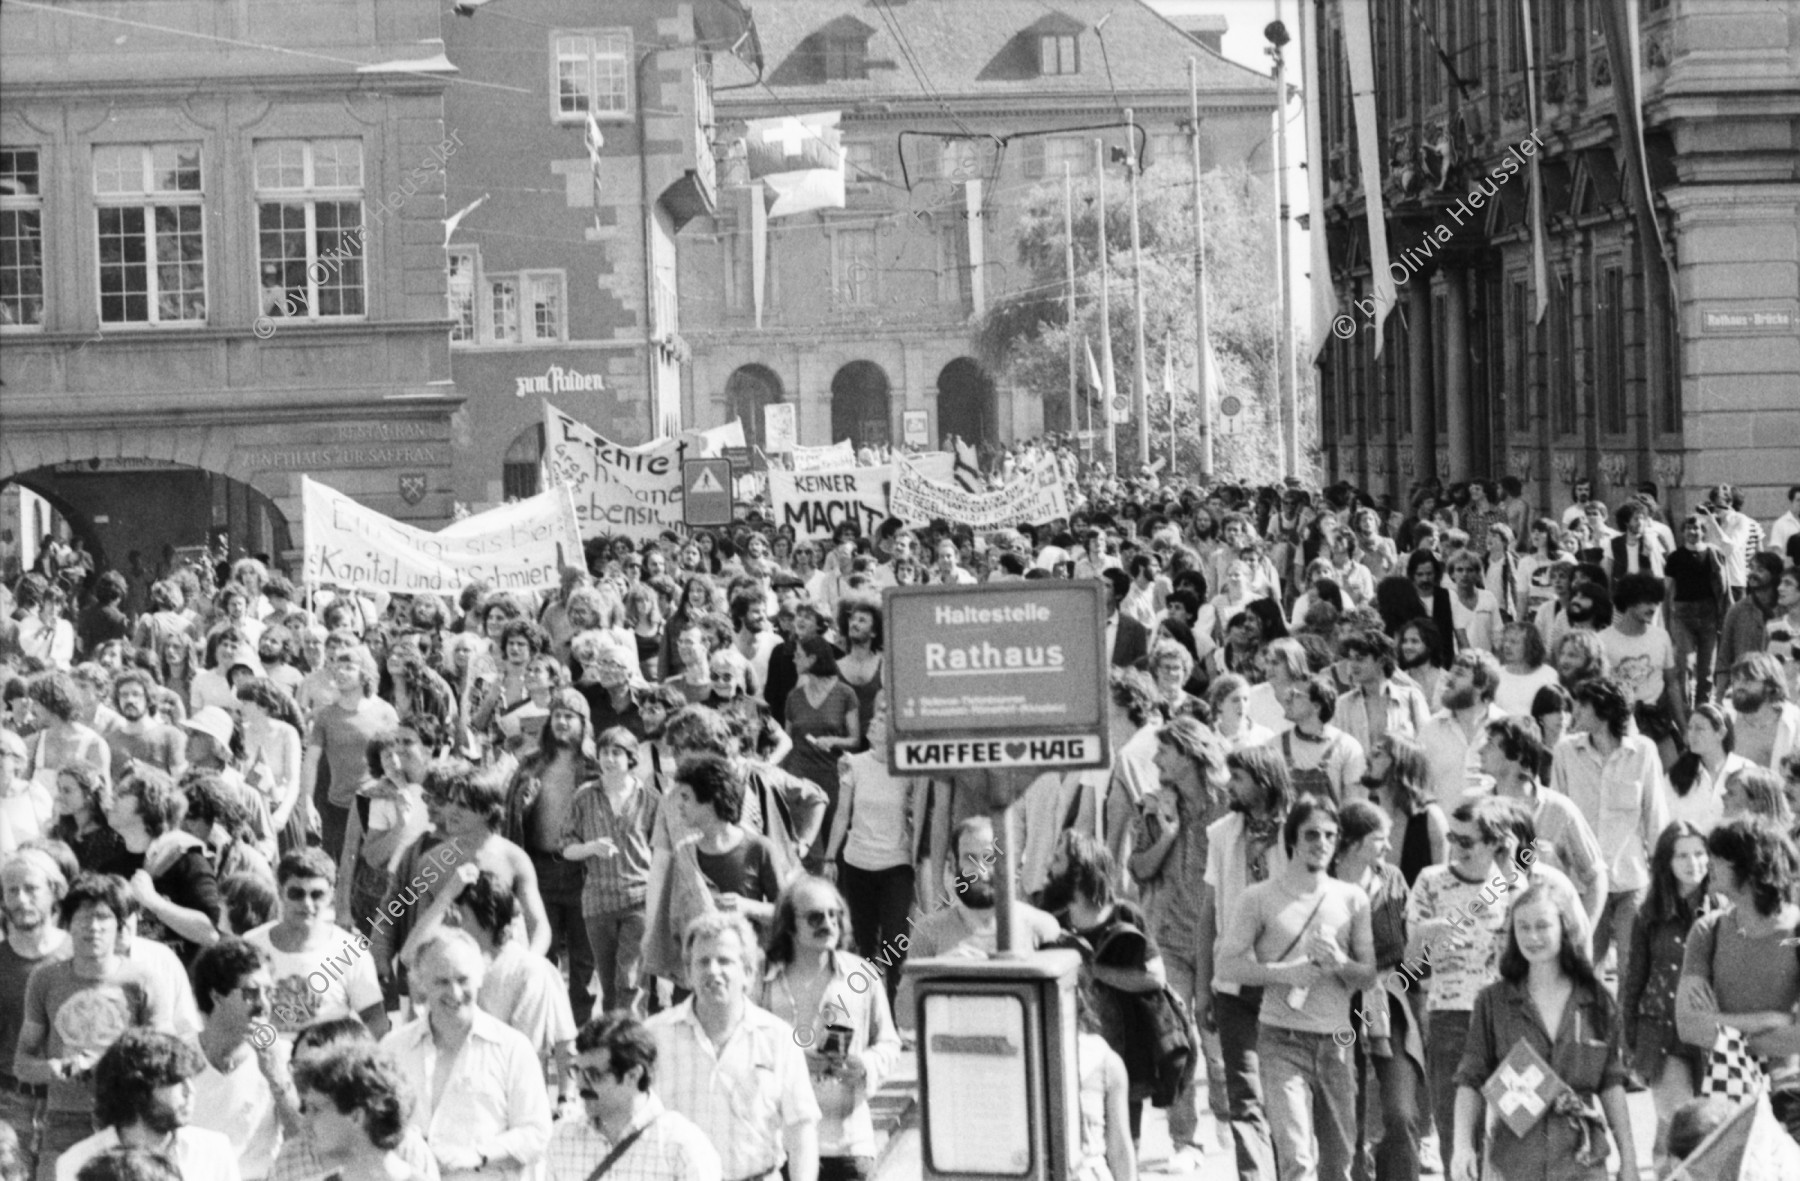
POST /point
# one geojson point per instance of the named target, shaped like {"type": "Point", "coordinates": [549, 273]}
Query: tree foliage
{"type": "Point", "coordinates": [1024, 335]}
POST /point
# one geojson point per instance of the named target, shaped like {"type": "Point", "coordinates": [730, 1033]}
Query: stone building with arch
{"type": "Point", "coordinates": [867, 310]}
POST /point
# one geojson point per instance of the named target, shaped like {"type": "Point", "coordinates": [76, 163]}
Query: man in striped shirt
{"type": "Point", "coordinates": [616, 1059]}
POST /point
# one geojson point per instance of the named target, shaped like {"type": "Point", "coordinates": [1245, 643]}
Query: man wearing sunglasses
{"type": "Point", "coordinates": [318, 968]}
{"type": "Point", "coordinates": [244, 1093]}
{"type": "Point", "coordinates": [616, 1060]}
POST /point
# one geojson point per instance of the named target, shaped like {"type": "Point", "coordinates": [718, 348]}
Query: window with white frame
{"type": "Point", "coordinates": [593, 74]}
{"type": "Point", "coordinates": [1058, 54]}
{"type": "Point", "coordinates": [21, 239]}
{"type": "Point", "coordinates": [526, 308]}
{"type": "Point", "coordinates": [463, 266]}
{"type": "Point", "coordinates": [310, 236]}
{"type": "Point", "coordinates": [152, 243]}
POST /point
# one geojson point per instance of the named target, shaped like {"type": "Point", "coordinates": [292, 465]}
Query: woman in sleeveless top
{"type": "Point", "coordinates": [860, 625]}
{"type": "Point", "coordinates": [1400, 780]}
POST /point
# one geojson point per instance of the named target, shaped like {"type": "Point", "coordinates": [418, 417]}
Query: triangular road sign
{"type": "Point", "coordinates": [707, 484]}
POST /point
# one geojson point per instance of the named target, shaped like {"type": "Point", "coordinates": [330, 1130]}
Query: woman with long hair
{"type": "Point", "coordinates": [1549, 998]}
{"type": "Point", "coordinates": [1391, 1044]}
{"type": "Point", "coordinates": [699, 598]}
{"type": "Point", "coordinates": [1522, 668]}
{"type": "Point", "coordinates": [356, 1106]}
{"type": "Point", "coordinates": [1399, 781]}
{"type": "Point", "coordinates": [1579, 657]}
{"type": "Point", "coordinates": [1546, 553]}
{"type": "Point", "coordinates": [269, 727]}
{"type": "Point", "coordinates": [1757, 791]}
{"type": "Point", "coordinates": [1398, 602]}
{"type": "Point", "coordinates": [1501, 577]}
{"type": "Point", "coordinates": [840, 1015]}
{"type": "Point", "coordinates": [226, 647]}
{"type": "Point", "coordinates": [1697, 780]}
{"type": "Point", "coordinates": [1419, 649]}
{"type": "Point", "coordinates": [1679, 884]}
{"type": "Point", "coordinates": [1227, 696]}
{"type": "Point", "coordinates": [83, 799]}
{"type": "Point", "coordinates": [1378, 553]}
{"type": "Point", "coordinates": [825, 723]}
{"type": "Point", "coordinates": [860, 626]}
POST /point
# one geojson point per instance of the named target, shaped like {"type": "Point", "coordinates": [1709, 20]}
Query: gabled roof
{"type": "Point", "coordinates": [971, 49]}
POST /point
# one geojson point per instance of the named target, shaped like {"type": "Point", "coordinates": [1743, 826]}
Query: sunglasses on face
{"type": "Point", "coordinates": [302, 894]}
{"type": "Point", "coordinates": [819, 918]}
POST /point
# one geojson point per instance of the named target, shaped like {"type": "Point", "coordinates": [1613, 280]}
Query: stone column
{"type": "Point", "coordinates": [1420, 377]}
{"type": "Point", "coordinates": [1456, 373]}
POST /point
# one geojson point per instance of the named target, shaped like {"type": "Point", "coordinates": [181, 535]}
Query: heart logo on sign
{"type": "Point", "coordinates": [1015, 750]}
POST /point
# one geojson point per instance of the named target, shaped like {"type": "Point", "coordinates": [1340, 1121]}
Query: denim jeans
{"type": "Point", "coordinates": [1694, 628]}
{"type": "Point", "coordinates": [1310, 1089]}
{"type": "Point", "coordinates": [1387, 1112]}
{"type": "Point", "coordinates": [559, 885]}
{"type": "Point", "coordinates": [1237, 1017]}
{"type": "Point", "coordinates": [1445, 1033]}
{"type": "Point", "coordinates": [879, 902]}
{"type": "Point", "coordinates": [616, 940]}
{"type": "Point", "coordinates": [1612, 927]}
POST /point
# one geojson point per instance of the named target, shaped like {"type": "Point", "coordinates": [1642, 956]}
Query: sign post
{"type": "Point", "coordinates": [706, 499]}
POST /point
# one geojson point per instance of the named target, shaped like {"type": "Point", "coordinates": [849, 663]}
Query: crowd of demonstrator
{"type": "Point", "coordinates": [333, 884]}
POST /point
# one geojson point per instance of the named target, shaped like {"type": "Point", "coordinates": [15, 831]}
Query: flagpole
{"type": "Point", "coordinates": [1107, 390]}
{"type": "Point", "coordinates": [1069, 299]}
{"type": "Point", "coordinates": [1140, 372]}
{"type": "Point", "coordinates": [1202, 340]}
{"type": "Point", "coordinates": [1169, 388]}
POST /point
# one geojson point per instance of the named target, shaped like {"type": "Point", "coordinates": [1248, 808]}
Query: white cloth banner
{"type": "Point", "coordinates": [518, 547]}
{"type": "Point", "coordinates": [1359, 55]}
{"type": "Point", "coordinates": [820, 459]}
{"type": "Point", "coordinates": [1039, 495]}
{"type": "Point", "coordinates": [816, 503]}
{"type": "Point", "coordinates": [618, 491]}
{"type": "Point", "coordinates": [711, 442]}
{"type": "Point", "coordinates": [1324, 294]}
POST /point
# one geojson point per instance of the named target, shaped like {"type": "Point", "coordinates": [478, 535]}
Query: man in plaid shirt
{"type": "Point", "coordinates": [615, 1059]}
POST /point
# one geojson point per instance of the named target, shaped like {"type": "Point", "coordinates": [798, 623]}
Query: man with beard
{"type": "Point", "coordinates": [1305, 939]}
{"type": "Point", "coordinates": [1746, 626]}
{"type": "Point", "coordinates": [605, 682]}
{"type": "Point", "coordinates": [143, 1098]}
{"type": "Point", "coordinates": [138, 734]}
{"type": "Point", "coordinates": [481, 1102]}
{"type": "Point", "coordinates": [33, 884]}
{"type": "Point", "coordinates": [538, 807]}
{"type": "Point", "coordinates": [75, 1008]}
{"type": "Point", "coordinates": [1590, 605]}
{"type": "Point", "coordinates": [734, 1068]}
{"type": "Point", "coordinates": [1766, 724]}
{"type": "Point", "coordinates": [244, 1092]}
{"type": "Point", "coordinates": [969, 926]}
{"type": "Point", "coordinates": [1454, 737]}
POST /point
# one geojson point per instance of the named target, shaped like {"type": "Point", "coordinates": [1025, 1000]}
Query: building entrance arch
{"type": "Point", "coordinates": [747, 391]}
{"type": "Point", "coordinates": [860, 405]}
{"type": "Point", "coordinates": [965, 403]}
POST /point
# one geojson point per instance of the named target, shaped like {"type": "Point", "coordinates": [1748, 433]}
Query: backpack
{"type": "Point", "coordinates": [1168, 1032]}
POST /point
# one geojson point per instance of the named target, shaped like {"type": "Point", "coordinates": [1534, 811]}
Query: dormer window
{"type": "Point", "coordinates": [839, 51]}
{"type": "Point", "coordinates": [1058, 53]}
{"type": "Point", "coordinates": [846, 57]}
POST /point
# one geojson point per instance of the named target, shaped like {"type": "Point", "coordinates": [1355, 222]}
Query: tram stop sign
{"type": "Point", "coordinates": [706, 492]}
{"type": "Point", "coordinates": [996, 677]}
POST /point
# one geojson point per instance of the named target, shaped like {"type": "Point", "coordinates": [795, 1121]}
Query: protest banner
{"type": "Point", "coordinates": [1034, 497]}
{"type": "Point", "coordinates": [778, 428]}
{"type": "Point", "coordinates": [816, 503]}
{"type": "Point", "coordinates": [521, 546]}
{"type": "Point", "coordinates": [623, 491]}
{"type": "Point", "coordinates": [711, 442]}
{"type": "Point", "coordinates": [820, 459]}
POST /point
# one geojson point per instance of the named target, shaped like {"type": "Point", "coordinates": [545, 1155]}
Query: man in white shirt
{"type": "Point", "coordinates": [1731, 531]}
{"type": "Point", "coordinates": [490, 1117]}
{"type": "Point", "coordinates": [144, 1098]}
{"type": "Point", "coordinates": [1786, 525]}
{"type": "Point", "coordinates": [244, 1092]}
{"type": "Point", "coordinates": [1454, 738]}
{"type": "Point", "coordinates": [733, 1068]}
{"type": "Point", "coordinates": [1377, 703]}
{"type": "Point", "coordinates": [1613, 774]}
{"type": "Point", "coordinates": [1641, 656]}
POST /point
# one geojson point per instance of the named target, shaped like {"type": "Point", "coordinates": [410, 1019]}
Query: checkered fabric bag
{"type": "Point", "coordinates": [1731, 1069]}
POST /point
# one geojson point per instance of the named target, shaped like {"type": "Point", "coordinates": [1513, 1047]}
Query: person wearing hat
{"type": "Point", "coordinates": [209, 736]}
{"type": "Point", "coordinates": [611, 823]}
{"type": "Point", "coordinates": [538, 803]}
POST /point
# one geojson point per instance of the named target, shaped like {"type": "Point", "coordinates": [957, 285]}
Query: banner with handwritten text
{"type": "Point", "coordinates": [1034, 497]}
{"type": "Point", "coordinates": [619, 491]}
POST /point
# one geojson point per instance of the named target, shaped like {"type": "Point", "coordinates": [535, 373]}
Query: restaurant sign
{"type": "Point", "coordinates": [557, 380]}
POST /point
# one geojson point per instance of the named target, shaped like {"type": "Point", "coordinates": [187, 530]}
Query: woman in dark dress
{"type": "Point", "coordinates": [1399, 779]}
{"type": "Point", "coordinates": [824, 721]}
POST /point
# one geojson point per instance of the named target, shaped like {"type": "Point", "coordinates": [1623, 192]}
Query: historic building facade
{"type": "Point", "coordinates": [951, 112]}
{"type": "Point", "coordinates": [1670, 350]}
{"type": "Point", "coordinates": [221, 266]}
{"type": "Point", "coordinates": [590, 133]}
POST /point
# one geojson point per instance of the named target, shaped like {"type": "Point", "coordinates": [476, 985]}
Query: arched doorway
{"type": "Point", "coordinates": [136, 514]}
{"type": "Point", "coordinates": [859, 405]}
{"type": "Point", "coordinates": [747, 391]}
{"type": "Point", "coordinates": [965, 403]}
{"type": "Point", "coordinates": [521, 468]}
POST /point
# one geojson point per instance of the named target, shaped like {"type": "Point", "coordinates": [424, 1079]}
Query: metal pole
{"type": "Point", "coordinates": [1112, 430]}
{"type": "Point", "coordinates": [1202, 340]}
{"type": "Point", "coordinates": [1069, 299]}
{"type": "Point", "coordinates": [1140, 374]}
{"type": "Point", "coordinates": [1286, 378]}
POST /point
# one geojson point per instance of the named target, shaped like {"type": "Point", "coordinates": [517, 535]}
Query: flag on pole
{"type": "Point", "coordinates": [759, 248]}
{"type": "Point", "coordinates": [800, 158]}
{"type": "Point", "coordinates": [1540, 267]}
{"type": "Point", "coordinates": [1118, 406]}
{"type": "Point", "coordinates": [1324, 293]}
{"type": "Point", "coordinates": [1096, 387]}
{"type": "Point", "coordinates": [968, 466]}
{"type": "Point", "coordinates": [1359, 51]}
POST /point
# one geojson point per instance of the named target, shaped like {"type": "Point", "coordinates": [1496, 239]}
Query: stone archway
{"type": "Point", "coordinates": [965, 403]}
{"type": "Point", "coordinates": [860, 405]}
{"type": "Point", "coordinates": [747, 391]}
